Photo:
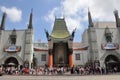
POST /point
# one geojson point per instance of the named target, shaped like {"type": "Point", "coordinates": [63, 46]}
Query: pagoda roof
{"type": "Point", "coordinates": [60, 29]}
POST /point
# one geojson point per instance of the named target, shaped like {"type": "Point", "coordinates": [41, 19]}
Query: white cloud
{"type": "Point", "coordinates": [72, 23]}
{"type": "Point", "coordinates": [51, 15]}
{"type": "Point", "coordinates": [14, 14]}
{"type": "Point", "coordinates": [75, 11]}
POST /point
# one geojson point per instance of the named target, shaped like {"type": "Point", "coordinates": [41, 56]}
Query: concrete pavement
{"type": "Point", "coordinates": [88, 77]}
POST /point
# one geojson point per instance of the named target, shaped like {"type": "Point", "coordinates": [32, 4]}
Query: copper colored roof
{"type": "Point", "coordinates": [60, 29]}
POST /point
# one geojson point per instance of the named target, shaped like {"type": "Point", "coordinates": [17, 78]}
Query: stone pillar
{"type": "Point", "coordinates": [29, 65]}
{"type": "Point", "coordinates": [50, 58]}
{"type": "Point", "coordinates": [70, 58]}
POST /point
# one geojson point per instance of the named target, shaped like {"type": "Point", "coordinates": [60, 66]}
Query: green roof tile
{"type": "Point", "coordinates": [60, 29]}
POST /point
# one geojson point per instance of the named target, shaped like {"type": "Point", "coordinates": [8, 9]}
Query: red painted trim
{"type": "Point", "coordinates": [85, 48]}
{"type": "Point", "coordinates": [38, 49]}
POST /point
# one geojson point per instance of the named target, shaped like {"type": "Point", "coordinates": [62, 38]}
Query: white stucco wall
{"type": "Point", "coordinates": [38, 55]}
{"type": "Point", "coordinates": [83, 57]}
{"type": "Point", "coordinates": [20, 41]}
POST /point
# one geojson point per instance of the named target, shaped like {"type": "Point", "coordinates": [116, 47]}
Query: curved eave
{"type": "Point", "coordinates": [60, 34]}
{"type": "Point", "coordinates": [60, 37]}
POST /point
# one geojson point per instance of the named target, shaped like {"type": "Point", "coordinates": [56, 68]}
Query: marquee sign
{"type": "Point", "coordinates": [110, 46]}
{"type": "Point", "coordinates": [12, 48]}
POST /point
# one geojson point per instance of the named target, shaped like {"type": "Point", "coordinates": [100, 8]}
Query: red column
{"type": "Point", "coordinates": [70, 60]}
{"type": "Point", "coordinates": [50, 58]}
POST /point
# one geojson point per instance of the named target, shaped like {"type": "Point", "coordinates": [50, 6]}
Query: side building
{"type": "Point", "coordinates": [16, 46]}
{"type": "Point", "coordinates": [103, 40]}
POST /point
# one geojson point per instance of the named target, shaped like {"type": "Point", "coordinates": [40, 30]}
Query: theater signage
{"type": "Point", "coordinates": [110, 46]}
{"type": "Point", "coordinates": [12, 49]}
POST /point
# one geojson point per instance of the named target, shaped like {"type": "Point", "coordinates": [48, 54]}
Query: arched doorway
{"type": "Point", "coordinates": [111, 63]}
{"type": "Point", "coordinates": [11, 62]}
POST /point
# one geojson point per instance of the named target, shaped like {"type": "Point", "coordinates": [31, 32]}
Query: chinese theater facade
{"type": "Point", "coordinates": [99, 45]}
{"type": "Point", "coordinates": [60, 44]}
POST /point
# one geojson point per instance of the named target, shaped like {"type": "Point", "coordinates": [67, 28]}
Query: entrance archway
{"type": "Point", "coordinates": [60, 54]}
{"type": "Point", "coordinates": [11, 61]}
{"type": "Point", "coordinates": [111, 63]}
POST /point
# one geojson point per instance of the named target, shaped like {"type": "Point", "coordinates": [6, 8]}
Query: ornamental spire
{"type": "Point", "coordinates": [2, 27]}
{"type": "Point", "coordinates": [117, 18]}
{"type": "Point", "coordinates": [90, 19]}
{"type": "Point", "coordinates": [30, 26]}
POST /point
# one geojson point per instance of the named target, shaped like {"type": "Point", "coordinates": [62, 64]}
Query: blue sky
{"type": "Point", "coordinates": [44, 12]}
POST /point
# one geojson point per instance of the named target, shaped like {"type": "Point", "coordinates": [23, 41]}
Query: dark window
{"type": "Point", "coordinates": [43, 57]}
{"type": "Point", "coordinates": [13, 39]}
{"type": "Point", "coordinates": [77, 56]}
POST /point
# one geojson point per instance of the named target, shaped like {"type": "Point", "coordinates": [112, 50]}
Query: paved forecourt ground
{"type": "Point", "coordinates": [89, 77]}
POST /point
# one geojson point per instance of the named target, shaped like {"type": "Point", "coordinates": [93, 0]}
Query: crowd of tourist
{"type": "Point", "coordinates": [78, 70]}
